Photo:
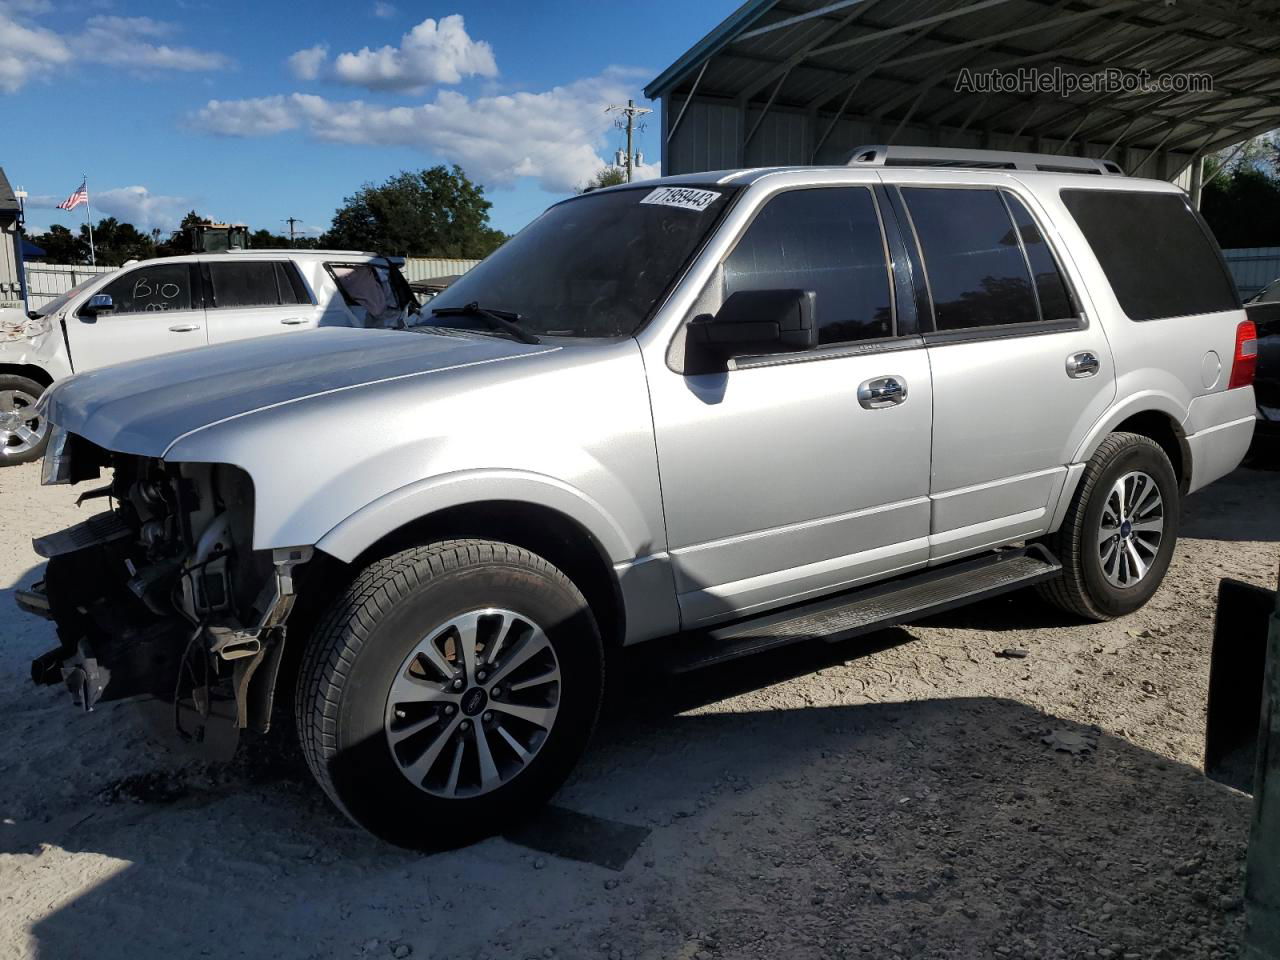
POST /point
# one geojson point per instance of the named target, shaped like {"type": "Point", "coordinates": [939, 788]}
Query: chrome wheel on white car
{"type": "Point", "coordinates": [23, 432]}
{"type": "Point", "coordinates": [473, 704]}
{"type": "Point", "coordinates": [1131, 529]}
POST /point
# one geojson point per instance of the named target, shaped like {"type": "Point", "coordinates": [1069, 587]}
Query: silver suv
{"type": "Point", "coordinates": [737, 409]}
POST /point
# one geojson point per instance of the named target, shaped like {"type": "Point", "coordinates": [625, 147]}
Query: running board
{"type": "Point", "coordinates": [846, 615]}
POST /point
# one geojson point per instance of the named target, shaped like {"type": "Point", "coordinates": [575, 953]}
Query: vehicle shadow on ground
{"type": "Point", "coordinates": [1228, 509]}
{"type": "Point", "coordinates": [944, 827]}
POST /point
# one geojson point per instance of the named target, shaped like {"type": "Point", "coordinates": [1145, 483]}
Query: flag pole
{"type": "Point", "coordinates": [93, 257]}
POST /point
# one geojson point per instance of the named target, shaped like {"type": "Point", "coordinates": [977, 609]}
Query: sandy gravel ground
{"type": "Point", "coordinates": [887, 797]}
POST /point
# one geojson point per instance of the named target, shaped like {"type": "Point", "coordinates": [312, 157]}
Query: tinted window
{"type": "Point", "coordinates": [244, 284]}
{"type": "Point", "coordinates": [290, 284]}
{"type": "Point", "coordinates": [594, 266]}
{"type": "Point", "coordinates": [1051, 288]}
{"type": "Point", "coordinates": [824, 240]}
{"type": "Point", "coordinates": [1159, 259]}
{"type": "Point", "coordinates": [152, 288]}
{"type": "Point", "coordinates": [977, 274]}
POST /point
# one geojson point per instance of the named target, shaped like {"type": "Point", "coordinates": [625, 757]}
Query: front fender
{"type": "Point", "coordinates": [414, 500]}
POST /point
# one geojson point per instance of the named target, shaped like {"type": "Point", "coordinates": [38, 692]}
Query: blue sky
{"type": "Point", "coordinates": [256, 112]}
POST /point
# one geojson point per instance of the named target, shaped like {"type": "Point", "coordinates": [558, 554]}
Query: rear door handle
{"type": "Point", "coordinates": [293, 321]}
{"type": "Point", "coordinates": [184, 327]}
{"type": "Point", "coordinates": [1081, 365]}
{"type": "Point", "coordinates": [882, 392]}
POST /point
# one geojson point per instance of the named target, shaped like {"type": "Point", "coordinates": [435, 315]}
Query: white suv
{"type": "Point", "coordinates": [176, 303]}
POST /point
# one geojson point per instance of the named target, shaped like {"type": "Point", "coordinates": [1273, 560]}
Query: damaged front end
{"type": "Point", "coordinates": [163, 595]}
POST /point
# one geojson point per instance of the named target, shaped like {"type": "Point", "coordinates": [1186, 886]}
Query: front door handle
{"type": "Point", "coordinates": [293, 321]}
{"type": "Point", "coordinates": [184, 327]}
{"type": "Point", "coordinates": [1081, 365]}
{"type": "Point", "coordinates": [882, 392]}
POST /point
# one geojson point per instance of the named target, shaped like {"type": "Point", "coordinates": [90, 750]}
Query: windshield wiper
{"type": "Point", "coordinates": [499, 319]}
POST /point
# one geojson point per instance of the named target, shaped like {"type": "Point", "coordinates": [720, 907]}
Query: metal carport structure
{"type": "Point", "coordinates": [806, 81]}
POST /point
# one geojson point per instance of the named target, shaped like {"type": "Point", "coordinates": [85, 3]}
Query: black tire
{"type": "Point", "coordinates": [362, 642]}
{"type": "Point", "coordinates": [1083, 589]}
{"type": "Point", "coordinates": [9, 452]}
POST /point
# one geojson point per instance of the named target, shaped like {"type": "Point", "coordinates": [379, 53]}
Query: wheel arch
{"type": "Point", "coordinates": [1154, 415]}
{"type": "Point", "coordinates": [552, 534]}
{"type": "Point", "coordinates": [28, 370]}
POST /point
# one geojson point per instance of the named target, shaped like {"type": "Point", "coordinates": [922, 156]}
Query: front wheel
{"type": "Point", "coordinates": [449, 692]}
{"type": "Point", "coordinates": [23, 434]}
{"type": "Point", "coordinates": [1117, 538]}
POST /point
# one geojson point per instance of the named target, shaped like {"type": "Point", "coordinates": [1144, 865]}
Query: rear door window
{"type": "Point", "coordinates": [1159, 257]}
{"type": "Point", "coordinates": [976, 270]}
{"type": "Point", "coordinates": [254, 283]}
{"type": "Point", "coordinates": [828, 240]}
{"type": "Point", "coordinates": [1056, 302]}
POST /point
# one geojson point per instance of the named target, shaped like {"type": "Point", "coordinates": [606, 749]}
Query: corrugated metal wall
{"type": "Point", "coordinates": [45, 281]}
{"type": "Point", "coordinates": [710, 137]}
{"type": "Point", "coordinates": [1253, 268]}
{"type": "Point", "coordinates": [424, 268]}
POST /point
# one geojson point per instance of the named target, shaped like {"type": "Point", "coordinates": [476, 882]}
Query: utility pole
{"type": "Point", "coordinates": [628, 121]}
{"type": "Point", "coordinates": [291, 221]}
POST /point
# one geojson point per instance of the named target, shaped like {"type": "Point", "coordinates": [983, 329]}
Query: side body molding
{"type": "Point", "coordinates": [415, 500]}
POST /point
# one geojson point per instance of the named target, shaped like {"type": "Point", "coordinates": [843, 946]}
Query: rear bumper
{"type": "Point", "coordinates": [1217, 450]}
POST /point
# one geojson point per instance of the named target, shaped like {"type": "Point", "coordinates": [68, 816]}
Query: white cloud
{"type": "Point", "coordinates": [432, 53]}
{"type": "Point", "coordinates": [384, 10]}
{"type": "Point", "coordinates": [136, 205]}
{"type": "Point", "coordinates": [126, 42]}
{"type": "Point", "coordinates": [29, 51]}
{"type": "Point", "coordinates": [554, 137]}
{"type": "Point", "coordinates": [306, 64]}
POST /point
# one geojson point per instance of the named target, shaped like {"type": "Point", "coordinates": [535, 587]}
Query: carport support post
{"type": "Point", "coordinates": [1262, 876]}
{"type": "Point", "coordinates": [1197, 179]}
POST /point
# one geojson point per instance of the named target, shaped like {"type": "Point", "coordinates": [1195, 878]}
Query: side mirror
{"type": "Point", "coordinates": [98, 304]}
{"type": "Point", "coordinates": [757, 322]}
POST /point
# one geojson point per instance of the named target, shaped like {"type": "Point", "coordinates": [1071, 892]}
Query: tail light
{"type": "Point", "coordinates": [1245, 361]}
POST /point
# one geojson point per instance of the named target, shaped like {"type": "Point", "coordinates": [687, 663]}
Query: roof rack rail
{"type": "Point", "coordinates": [879, 155]}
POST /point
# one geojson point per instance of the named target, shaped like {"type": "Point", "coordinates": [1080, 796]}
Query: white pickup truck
{"type": "Point", "coordinates": [176, 303]}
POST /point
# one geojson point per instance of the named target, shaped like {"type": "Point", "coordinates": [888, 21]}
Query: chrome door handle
{"type": "Point", "coordinates": [293, 321]}
{"type": "Point", "coordinates": [882, 392]}
{"type": "Point", "coordinates": [184, 327]}
{"type": "Point", "coordinates": [1081, 365]}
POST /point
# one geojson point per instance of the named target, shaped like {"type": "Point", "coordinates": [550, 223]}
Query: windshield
{"type": "Point", "coordinates": [594, 266]}
{"type": "Point", "coordinates": [60, 301]}
{"type": "Point", "coordinates": [1269, 294]}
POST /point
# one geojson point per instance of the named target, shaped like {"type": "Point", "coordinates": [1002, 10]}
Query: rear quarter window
{"type": "Point", "coordinates": [1159, 257]}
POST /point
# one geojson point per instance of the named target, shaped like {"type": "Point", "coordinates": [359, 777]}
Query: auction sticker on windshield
{"type": "Point", "coordinates": [683, 197]}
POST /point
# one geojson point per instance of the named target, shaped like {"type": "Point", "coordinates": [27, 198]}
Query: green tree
{"type": "Point", "coordinates": [116, 243]}
{"type": "Point", "coordinates": [1241, 202]}
{"type": "Point", "coordinates": [60, 245]}
{"type": "Point", "coordinates": [432, 213]}
{"type": "Point", "coordinates": [609, 176]}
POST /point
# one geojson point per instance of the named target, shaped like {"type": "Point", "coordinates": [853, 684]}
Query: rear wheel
{"type": "Point", "coordinates": [23, 434]}
{"type": "Point", "coordinates": [449, 691]}
{"type": "Point", "coordinates": [1118, 536]}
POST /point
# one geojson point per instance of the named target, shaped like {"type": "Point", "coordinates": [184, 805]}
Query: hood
{"type": "Point", "coordinates": [144, 406]}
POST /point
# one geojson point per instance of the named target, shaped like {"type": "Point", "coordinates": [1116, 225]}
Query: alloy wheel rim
{"type": "Point", "coordinates": [473, 703]}
{"type": "Point", "coordinates": [21, 428]}
{"type": "Point", "coordinates": [1131, 529]}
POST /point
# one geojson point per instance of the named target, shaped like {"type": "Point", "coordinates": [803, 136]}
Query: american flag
{"type": "Point", "coordinates": [77, 198]}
